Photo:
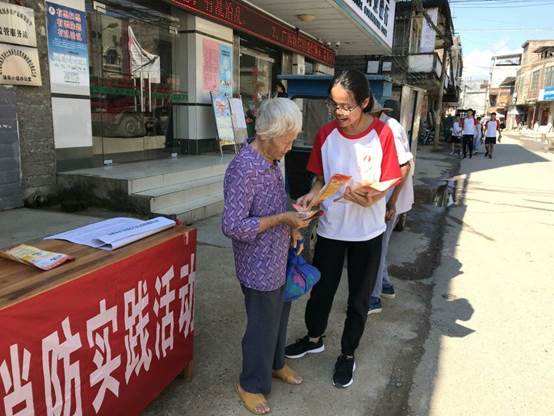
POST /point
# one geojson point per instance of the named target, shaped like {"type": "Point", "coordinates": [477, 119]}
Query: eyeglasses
{"type": "Point", "coordinates": [333, 107]}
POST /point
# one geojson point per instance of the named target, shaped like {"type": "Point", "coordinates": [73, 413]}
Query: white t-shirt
{"type": "Point", "coordinates": [369, 156]}
{"type": "Point", "coordinates": [406, 197]}
{"type": "Point", "coordinates": [469, 126]}
{"type": "Point", "coordinates": [456, 129]}
{"type": "Point", "coordinates": [491, 128]}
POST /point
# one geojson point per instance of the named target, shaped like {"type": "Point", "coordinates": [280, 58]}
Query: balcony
{"type": "Point", "coordinates": [425, 63]}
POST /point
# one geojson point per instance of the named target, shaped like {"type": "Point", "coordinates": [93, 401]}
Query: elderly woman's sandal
{"type": "Point", "coordinates": [287, 375]}
{"type": "Point", "coordinates": [254, 402]}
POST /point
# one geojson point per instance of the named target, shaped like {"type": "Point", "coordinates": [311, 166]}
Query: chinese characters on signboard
{"type": "Point", "coordinates": [110, 351]}
{"type": "Point", "coordinates": [378, 15]}
{"type": "Point", "coordinates": [67, 50]}
{"type": "Point", "coordinates": [19, 65]}
{"type": "Point", "coordinates": [17, 25]}
{"type": "Point", "coordinates": [247, 19]}
{"type": "Point", "coordinates": [210, 67]}
{"type": "Point", "coordinates": [217, 68]}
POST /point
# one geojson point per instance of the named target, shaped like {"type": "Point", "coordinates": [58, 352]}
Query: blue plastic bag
{"type": "Point", "coordinates": [301, 276]}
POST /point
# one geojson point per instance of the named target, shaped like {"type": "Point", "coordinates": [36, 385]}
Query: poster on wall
{"type": "Point", "coordinates": [19, 65]}
{"type": "Point", "coordinates": [67, 49]}
{"type": "Point", "coordinates": [17, 25]}
{"type": "Point", "coordinates": [210, 69]}
{"type": "Point", "coordinates": [225, 70]}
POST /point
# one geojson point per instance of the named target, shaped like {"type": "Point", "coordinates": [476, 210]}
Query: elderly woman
{"type": "Point", "coordinates": [255, 217]}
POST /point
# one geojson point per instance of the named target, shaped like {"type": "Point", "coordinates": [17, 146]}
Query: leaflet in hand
{"type": "Point", "coordinates": [368, 188]}
{"type": "Point", "coordinates": [336, 182]}
{"type": "Point", "coordinates": [42, 259]}
{"type": "Point", "coordinates": [308, 213]}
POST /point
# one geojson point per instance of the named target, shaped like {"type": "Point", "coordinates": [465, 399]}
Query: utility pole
{"type": "Point", "coordinates": [447, 43]}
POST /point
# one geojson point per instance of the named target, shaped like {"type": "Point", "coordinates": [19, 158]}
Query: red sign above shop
{"type": "Point", "coordinates": [247, 19]}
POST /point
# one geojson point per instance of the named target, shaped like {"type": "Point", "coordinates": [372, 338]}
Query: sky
{"type": "Point", "coordinates": [494, 27]}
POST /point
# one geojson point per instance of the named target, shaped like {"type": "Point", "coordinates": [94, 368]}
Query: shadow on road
{"type": "Point", "coordinates": [449, 312]}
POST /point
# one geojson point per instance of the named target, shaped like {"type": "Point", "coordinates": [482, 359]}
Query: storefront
{"type": "Point", "coordinates": [132, 84]}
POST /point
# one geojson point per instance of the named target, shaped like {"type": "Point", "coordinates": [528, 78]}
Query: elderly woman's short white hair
{"type": "Point", "coordinates": [278, 117]}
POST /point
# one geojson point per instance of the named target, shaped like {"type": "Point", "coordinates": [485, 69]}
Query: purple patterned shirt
{"type": "Point", "coordinates": [254, 188]}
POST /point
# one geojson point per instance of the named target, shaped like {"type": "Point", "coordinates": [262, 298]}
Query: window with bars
{"type": "Point", "coordinates": [549, 77]}
{"type": "Point", "coordinates": [535, 80]}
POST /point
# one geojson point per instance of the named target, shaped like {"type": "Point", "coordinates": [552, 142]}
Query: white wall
{"type": "Point", "coordinates": [500, 73]}
{"type": "Point", "coordinates": [196, 120]}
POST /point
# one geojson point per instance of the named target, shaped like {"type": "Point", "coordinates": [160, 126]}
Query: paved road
{"type": "Point", "coordinates": [490, 348]}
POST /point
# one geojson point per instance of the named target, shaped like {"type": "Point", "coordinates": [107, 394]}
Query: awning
{"type": "Point", "coordinates": [508, 81]}
{"type": "Point", "coordinates": [341, 23]}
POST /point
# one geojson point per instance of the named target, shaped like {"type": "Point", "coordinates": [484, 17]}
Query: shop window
{"type": "Point", "coordinates": [493, 100]}
{"type": "Point", "coordinates": [133, 87]}
{"type": "Point", "coordinates": [257, 74]}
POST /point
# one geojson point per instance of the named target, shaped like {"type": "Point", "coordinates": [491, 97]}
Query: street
{"type": "Point", "coordinates": [473, 338]}
{"type": "Point", "coordinates": [490, 345]}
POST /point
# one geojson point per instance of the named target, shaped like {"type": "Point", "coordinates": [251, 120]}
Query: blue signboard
{"type": "Point", "coordinates": [549, 94]}
{"type": "Point", "coordinates": [67, 49]}
{"type": "Point", "coordinates": [225, 70]}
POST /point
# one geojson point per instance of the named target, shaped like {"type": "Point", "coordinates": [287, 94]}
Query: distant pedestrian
{"type": "Point", "coordinates": [469, 130]}
{"type": "Point", "coordinates": [399, 200]}
{"type": "Point", "coordinates": [478, 138]}
{"type": "Point", "coordinates": [255, 217]}
{"type": "Point", "coordinates": [492, 129]}
{"type": "Point", "coordinates": [456, 137]}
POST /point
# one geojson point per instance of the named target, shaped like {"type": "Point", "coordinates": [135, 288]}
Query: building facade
{"type": "Point", "coordinates": [534, 87]}
{"type": "Point", "coordinates": [501, 86]}
{"type": "Point", "coordinates": [474, 96]}
{"type": "Point", "coordinates": [122, 81]}
{"type": "Point", "coordinates": [417, 55]}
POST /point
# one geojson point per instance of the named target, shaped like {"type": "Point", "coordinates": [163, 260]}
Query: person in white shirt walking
{"type": "Point", "coordinates": [456, 136]}
{"type": "Point", "coordinates": [492, 128]}
{"type": "Point", "coordinates": [478, 138]}
{"type": "Point", "coordinates": [469, 131]}
{"type": "Point", "coordinates": [399, 199]}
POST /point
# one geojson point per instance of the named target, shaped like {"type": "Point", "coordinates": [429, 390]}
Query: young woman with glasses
{"type": "Point", "coordinates": [361, 146]}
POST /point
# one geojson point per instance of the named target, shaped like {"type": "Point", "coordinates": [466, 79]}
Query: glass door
{"type": "Point", "coordinates": [132, 86]}
{"type": "Point", "coordinates": [256, 75]}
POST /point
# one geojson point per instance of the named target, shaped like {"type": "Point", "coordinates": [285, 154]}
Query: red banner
{"type": "Point", "coordinates": [250, 20]}
{"type": "Point", "coordinates": [106, 343]}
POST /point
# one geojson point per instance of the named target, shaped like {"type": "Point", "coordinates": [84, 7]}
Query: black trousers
{"type": "Point", "coordinates": [263, 344]}
{"type": "Point", "coordinates": [468, 144]}
{"type": "Point", "coordinates": [362, 265]}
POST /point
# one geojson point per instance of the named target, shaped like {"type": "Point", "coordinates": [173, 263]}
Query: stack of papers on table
{"type": "Point", "coordinates": [115, 232]}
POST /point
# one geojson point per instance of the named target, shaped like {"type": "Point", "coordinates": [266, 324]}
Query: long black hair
{"type": "Point", "coordinates": [356, 83]}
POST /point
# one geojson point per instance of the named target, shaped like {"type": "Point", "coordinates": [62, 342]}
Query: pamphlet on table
{"type": "Point", "coordinates": [114, 232]}
{"type": "Point", "coordinates": [42, 259]}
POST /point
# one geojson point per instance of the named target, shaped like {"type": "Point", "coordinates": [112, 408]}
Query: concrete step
{"type": "Point", "coordinates": [157, 199]}
{"type": "Point", "coordinates": [174, 178]}
{"type": "Point", "coordinates": [194, 210]}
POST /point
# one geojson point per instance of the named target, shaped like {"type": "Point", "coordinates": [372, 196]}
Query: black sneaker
{"type": "Point", "coordinates": [344, 368]}
{"type": "Point", "coordinates": [304, 346]}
